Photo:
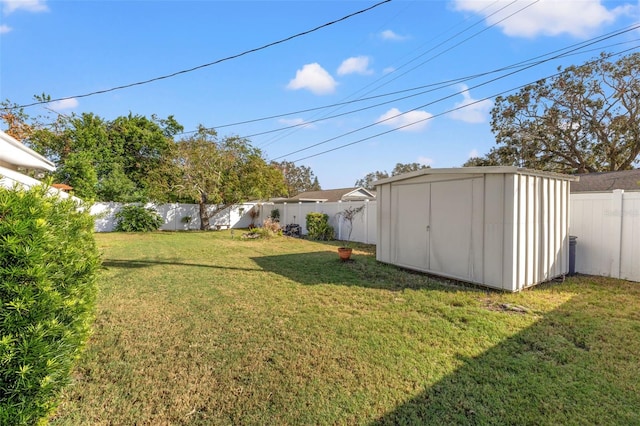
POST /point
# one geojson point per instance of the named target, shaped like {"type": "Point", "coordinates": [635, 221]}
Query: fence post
{"type": "Point", "coordinates": [340, 222]}
{"type": "Point", "coordinates": [366, 221]}
{"type": "Point", "coordinates": [616, 231]}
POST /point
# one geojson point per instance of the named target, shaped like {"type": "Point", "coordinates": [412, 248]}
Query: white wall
{"type": "Point", "coordinates": [173, 214]}
{"type": "Point", "coordinates": [608, 229]}
{"type": "Point", "coordinates": [364, 224]}
{"type": "Point", "coordinates": [607, 226]}
{"type": "Point", "coordinates": [502, 230]}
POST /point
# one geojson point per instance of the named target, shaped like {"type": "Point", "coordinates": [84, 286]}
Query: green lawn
{"type": "Point", "coordinates": [206, 329]}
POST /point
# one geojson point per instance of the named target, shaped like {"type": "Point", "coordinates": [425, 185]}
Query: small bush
{"type": "Point", "coordinates": [318, 227]}
{"type": "Point", "coordinates": [275, 215]}
{"type": "Point", "coordinates": [134, 218]}
{"type": "Point", "coordinates": [48, 265]}
{"type": "Point", "coordinates": [269, 229]}
{"type": "Point", "coordinates": [272, 227]}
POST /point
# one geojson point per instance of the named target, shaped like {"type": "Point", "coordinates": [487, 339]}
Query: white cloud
{"type": "Point", "coordinates": [390, 35]}
{"type": "Point", "coordinates": [388, 70]}
{"type": "Point", "coordinates": [471, 110]}
{"type": "Point", "coordinates": [546, 17]}
{"type": "Point", "coordinates": [355, 65]}
{"type": "Point", "coordinates": [9, 6]}
{"type": "Point", "coordinates": [64, 104]}
{"type": "Point", "coordinates": [474, 153]}
{"type": "Point", "coordinates": [299, 122]}
{"type": "Point", "coordinates": [313, 78]}
{"type": "Point", "coordinates": [5, 29]}
{"type": "Point", "coordinates": [412, 121]}
{"type": "Point", "coordinates": [425, 161]}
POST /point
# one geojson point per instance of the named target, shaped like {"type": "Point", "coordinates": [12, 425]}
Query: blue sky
{"type": "Point", "coordinates": [375, 83]}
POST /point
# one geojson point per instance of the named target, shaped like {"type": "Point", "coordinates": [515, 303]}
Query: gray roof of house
{"type": "Point", "coordinates": [629, 180]}
{"type": "Point", "coordinates": [332, 195]}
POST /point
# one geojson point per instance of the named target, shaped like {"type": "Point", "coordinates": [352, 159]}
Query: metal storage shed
{"type": "Point", "coordinates": [502, 227]}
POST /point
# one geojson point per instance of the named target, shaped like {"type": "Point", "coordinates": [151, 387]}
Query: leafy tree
{"type": "Point", "coordinates": [222, 172]}
{"type": "Point", "coordinates": [367, 181]}
{"type": "Point", "coordinates": [585, 119]}
{"type": "Point", "coordinates": [78, 169]}
{"type": "Point", "coordinates": [297, 178]}
{"type": "Point", "coordinates": [144, 146]}
{"type": "Point", "coordinates": [400, 168]}
{"type": "Point", "coordinates": [119, 160]}
{"type": "Point", "coordinates": [17, 126]}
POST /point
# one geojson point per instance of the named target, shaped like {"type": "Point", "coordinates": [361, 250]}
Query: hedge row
{"type": "Point", "coordinates": [48, 266]}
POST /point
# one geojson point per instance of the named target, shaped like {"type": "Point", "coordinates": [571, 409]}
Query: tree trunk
{"type": "Point", "coordinates": [204, 216]}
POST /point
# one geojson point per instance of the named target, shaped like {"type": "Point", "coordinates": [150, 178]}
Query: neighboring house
{"type": "Point", "coordinates": [331, 195]}
{"type": "Point", "coordinates": [628, 180]}
{"type": "Point", "coordinates": [16, 157]}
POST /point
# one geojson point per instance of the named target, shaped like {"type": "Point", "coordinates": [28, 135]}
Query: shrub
{"type": "Point", "coordinates": [134, 218]}
{"type": "Point", "coordinates": [48, 265]}
{"type": "Point", "coordinates": [318, 227]}
{"type": "Point", "coordinates": [272, 227]}
{"type": "Point", "coordinates": [275, 215]}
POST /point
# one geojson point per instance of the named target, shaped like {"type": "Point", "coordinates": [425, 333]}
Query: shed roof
{"type": "Point", "coordinates": [476, 170]}
{"type": "Point", "coordinates": [629, 180]}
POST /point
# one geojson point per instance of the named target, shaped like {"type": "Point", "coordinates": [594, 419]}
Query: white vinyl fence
{"type": "Point", "coordinates": [364, 224]}
{"type": "Point", "coordinates": [608, 229]}
{"type": "Point", "coordinates": [177, 217]}
{"type": "Point", "coordinates": [607, 226]}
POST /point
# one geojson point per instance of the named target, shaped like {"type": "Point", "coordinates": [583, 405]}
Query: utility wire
{"type": "Point", "coordinates": [340, 104]}
{"type": "Point", "coordinates": [276, 139]}
{"type": "Point", "coordinates": [570, 51]}
{"type": "Point", "coordinates": [435, 115]}
{"type": "Point", "coordinates": [246, 52]}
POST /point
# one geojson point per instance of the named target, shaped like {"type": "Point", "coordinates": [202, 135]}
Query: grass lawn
{"type": "Point", "coordinates": [206, 329]}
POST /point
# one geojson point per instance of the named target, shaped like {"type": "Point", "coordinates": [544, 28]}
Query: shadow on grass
{"type": "Point", "coordinates": [325, 267]}
{"type": "Point", "coordinates": [136, 264]}
{"type": "Point", "coordinates": [577, 365]}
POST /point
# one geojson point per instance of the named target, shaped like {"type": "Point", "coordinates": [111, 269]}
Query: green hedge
{"type": "Point", "coordinates": [133, 218]}
{"type": "Point", "coordinates": [48, 266]}
{"type": "Point", "coordinates": [318, 227]}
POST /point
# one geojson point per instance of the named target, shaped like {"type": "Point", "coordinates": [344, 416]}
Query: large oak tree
{"type": "Point", "coordinates": [584, 119]}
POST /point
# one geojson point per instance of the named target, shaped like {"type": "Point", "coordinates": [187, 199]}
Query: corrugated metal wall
{"type": "Point", "coordinates": [502, 230]}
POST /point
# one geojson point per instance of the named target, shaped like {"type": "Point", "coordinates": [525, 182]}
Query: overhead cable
{"type": "Point", "coordinates": [476, 34]}
{"type": "Point", "coordinates": [569, 51]}
{"type": "Point", "coordinates": [246, 52]}
{"type": "Point", "coordinates": [430, 117]}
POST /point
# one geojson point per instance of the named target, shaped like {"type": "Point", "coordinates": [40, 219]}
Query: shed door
{"type": "Point", "coordinates": [451, 226]}
{"type": "Point", "coordinates": [412, 218]}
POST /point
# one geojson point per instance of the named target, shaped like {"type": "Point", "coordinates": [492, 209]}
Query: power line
{"type": "Point", "coordinates": [340, 104]}
{"type": "Point", "coordinates": [428, 118]}
{"type": "Point", "coordinates": [246, 52]}
{"type": "Point", "coordinates": [276, 139]}
{"type": "Point", "coordinates": [569, 50]}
